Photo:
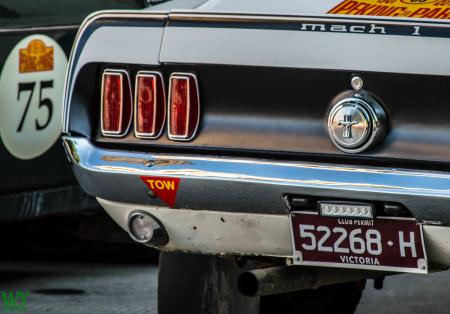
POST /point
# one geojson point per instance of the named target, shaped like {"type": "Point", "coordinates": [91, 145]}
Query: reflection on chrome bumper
{"type": "Point", "coordinates": [252, 185]}
{"type": "Point", "coordinates": [213, 232]}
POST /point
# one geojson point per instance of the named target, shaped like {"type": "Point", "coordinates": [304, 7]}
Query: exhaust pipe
{"type": "Point", "coordinates": [275, 280]}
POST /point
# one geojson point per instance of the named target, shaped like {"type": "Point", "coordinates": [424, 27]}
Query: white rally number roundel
{"type": "Point", "coordinates": [31, 88]}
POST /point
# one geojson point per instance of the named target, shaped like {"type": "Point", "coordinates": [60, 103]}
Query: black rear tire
{"type": "Point", "coordinates": [200, 284]}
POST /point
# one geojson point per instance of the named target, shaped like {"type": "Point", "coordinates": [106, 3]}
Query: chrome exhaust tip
{"type": "Point", "coordinates": [146, 229]}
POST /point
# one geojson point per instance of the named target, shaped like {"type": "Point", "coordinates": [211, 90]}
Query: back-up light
{"type": "Point", "coordinates": [116, 103]}
{"type": "Point", "coordinates": [149, 105]}
{"type": "Point", "coordinates": [184, 106]}
{"type": "Point", "coordinates": [344, 209]}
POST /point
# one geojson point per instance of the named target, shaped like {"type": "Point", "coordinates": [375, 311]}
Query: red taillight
{"type": "Point", "coordinates": [184, 106]}
{"type": "Point", "coordinates": [115, 103]}
{"type": "Point", "coordinates": [150, 105]}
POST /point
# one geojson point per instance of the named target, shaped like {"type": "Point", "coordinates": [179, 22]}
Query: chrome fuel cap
{"type": "Point", "coordinates": [356, 123]}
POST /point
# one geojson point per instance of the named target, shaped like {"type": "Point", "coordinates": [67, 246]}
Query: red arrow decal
{"type": "Point", "coordinates": [165, 188]}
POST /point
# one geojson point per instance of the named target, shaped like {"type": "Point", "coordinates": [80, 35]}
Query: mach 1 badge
{"type": "Point", "coordinates": [163, 187]}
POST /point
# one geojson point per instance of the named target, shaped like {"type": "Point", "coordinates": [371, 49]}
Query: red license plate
{"type": "Point", "coordinates": [384, 243]}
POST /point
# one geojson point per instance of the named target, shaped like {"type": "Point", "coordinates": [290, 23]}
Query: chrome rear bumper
{"type": "Point", "coordinates": [251, 185]}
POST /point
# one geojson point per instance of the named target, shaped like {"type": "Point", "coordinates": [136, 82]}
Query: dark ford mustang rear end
{"type": "Point", "coordinates": [303, 137]}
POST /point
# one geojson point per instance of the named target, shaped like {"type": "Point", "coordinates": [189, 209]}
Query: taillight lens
{"type": "Point", "coordinates": [116, 104]}
{"type": "Point", "coordinates": [150, 105]}
{"type": "Point", "coordinates": [184, 106]}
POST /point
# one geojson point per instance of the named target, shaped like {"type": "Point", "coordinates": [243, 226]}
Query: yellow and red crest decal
{"type": "Point", "coordinates": [432, 9]}
{"type": "Point", "coordinates": [35, 57]}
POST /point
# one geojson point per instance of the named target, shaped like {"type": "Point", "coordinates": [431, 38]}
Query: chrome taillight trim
{"type": "Point", "coordinates": [185, 137]}
{"type": "Point", "coordinates": [121, 73]}
{"type": "Point", "coordinates": [155, 134]}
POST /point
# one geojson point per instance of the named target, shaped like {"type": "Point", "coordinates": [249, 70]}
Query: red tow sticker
{"type": "Point", "coordinates": [165, 188]}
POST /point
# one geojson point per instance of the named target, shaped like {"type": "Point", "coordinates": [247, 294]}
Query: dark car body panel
{"type": "Point", "coordinates": [45, 184]}
{"type": "Point", "coordinates": [236, 113]}
{"type": "Point", "coordinates": [242, 100]}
